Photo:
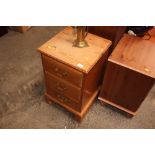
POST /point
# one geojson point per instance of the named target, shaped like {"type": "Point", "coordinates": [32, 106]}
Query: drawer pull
{"type": "Point", "coordinates": [59, 73]}
{"type": "Point", "coordinates": [60, 88]}
{"type": "Point", "coordinates": [62, 98]}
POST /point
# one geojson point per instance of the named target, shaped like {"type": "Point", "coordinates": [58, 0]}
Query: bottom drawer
{"type": "Point", "coordinates": [60, 98]}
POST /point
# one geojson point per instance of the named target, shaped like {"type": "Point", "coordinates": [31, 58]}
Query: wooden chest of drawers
{"type": "Point", "coordinates": [73, 75]}
{"type": "Point", "coordinates": [130, 73]}
{"type": "Point", "coordinates": [20, 29]}
{"type": "Point", "coordinates": [3, 30]}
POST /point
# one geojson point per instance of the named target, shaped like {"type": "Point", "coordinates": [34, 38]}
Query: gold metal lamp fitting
{"type": "Point", "coordinates": [80, 41]}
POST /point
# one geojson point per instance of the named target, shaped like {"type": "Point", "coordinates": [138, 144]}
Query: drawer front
{"type": "Point", "coordinates": [54, 83]}
{"type": "Point", "coordinates": [63, 100]}
{"type": "Point", "coordinates": [62, 71]}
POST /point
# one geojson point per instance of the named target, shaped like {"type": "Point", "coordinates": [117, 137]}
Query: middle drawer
{"type": "Point", "coordinates": [54, 83]}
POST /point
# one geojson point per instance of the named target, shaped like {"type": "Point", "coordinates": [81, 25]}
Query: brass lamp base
{"type": "Point", "coordinates": [80, 44]}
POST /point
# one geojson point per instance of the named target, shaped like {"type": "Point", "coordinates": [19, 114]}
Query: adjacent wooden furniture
{"type": "Point", "coordinates": [73, 75]}
{"type": "Point", "coordinates": [3, 30]}
{"type": "Point", "coordinates": [113, 33]}
{"type": "Point", "coordinates": [130, 73]}
{"type": "Point", "coordinates": [20, 29]}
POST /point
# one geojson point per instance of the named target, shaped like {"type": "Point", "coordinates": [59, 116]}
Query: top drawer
{"type": "Point", "coordinates": [62, 71]}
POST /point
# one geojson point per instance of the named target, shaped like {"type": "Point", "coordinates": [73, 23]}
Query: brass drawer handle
{"type": "Point", "coordinates": [60, 87]}
{"type": "Point", "coordinates": [62, 98]}
{"type": "Point", "coordinates": [59, 72]}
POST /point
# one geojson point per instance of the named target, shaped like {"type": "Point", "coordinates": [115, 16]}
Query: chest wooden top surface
{"type": "Point", "coordinates": [136, 53]}
{"type": "Point", "coordinates": [60, 47]}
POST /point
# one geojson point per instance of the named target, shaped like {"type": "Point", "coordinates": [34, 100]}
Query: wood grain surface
{"type": "Point", "coordinates": [83, 59]}
{"type": "Point", "coordinates": [124, 87]}
{"type": "Point", "coordinates": [136, 53]}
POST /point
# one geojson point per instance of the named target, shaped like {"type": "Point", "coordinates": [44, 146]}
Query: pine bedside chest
{"type": "Point", "coordinates": [130, 73]}
{"type": "Point", "coordinates": [73, 75]}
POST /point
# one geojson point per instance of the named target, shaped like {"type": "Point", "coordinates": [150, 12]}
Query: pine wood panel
{"type": "Point", "coordinates": [136, 53]}
{"type": "Point", "coordinates": [83, 59]}
{"type": "Point", "coordinates": [94, 79]}
{"type": "Point", "coordinates": [124, 87]}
